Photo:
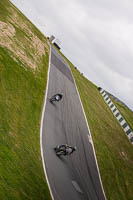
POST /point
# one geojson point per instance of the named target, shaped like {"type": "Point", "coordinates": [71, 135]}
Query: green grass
{"type": "Point", "coordinates": [113, 150]}
{"type": "Point", "coordinates": [22, 91]}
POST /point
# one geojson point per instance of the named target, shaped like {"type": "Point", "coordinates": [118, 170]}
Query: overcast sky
{"type": "Point", "coordinates": [96, 35]}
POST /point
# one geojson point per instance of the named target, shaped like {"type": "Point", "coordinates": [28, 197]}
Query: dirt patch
{"type": "Point", "coordinates": [7, 32]}
{"type": "Point", "coordinates": [17, 36]}
{"type": "Point", "coordinates": [39, 46]}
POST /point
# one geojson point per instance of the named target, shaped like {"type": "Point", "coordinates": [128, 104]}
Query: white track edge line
{"type": "Point", "coordinates": [90, 134]}
{"type": "Point", "coordinates": [43, 111]}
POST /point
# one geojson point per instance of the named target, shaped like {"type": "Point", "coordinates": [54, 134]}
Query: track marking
{"type": "Point", "coordinates": [43, 111]}
{"type": "Point", "coordinates": [89, 138]}
{"type": "Point", "coordinates": [75, 184]}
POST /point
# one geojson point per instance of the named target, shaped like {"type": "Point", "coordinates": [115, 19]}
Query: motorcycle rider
{"type": "Point", "coordinates": [56, 97]}
{"type": "Point", "coordinates": [64, 149]}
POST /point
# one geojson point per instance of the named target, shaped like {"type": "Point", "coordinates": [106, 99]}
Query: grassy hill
{"type": "Point", "coordinates": [24, 55]}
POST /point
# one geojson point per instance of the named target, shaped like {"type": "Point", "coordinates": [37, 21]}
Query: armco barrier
{"type": "Point", "coordinates": [117, 114]}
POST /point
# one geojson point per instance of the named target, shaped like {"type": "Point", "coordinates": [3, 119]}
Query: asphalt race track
{"type": "Point", "coordinates": [73, 177]}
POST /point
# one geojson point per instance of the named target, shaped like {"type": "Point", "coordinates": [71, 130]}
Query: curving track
{"type": "Point", "coordinates": [72, 177]}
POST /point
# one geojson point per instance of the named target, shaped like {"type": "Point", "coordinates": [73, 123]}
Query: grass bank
{"type": "Point", "coordinates": [24, 57]}
{"type": "Point", "coordinates": [113, 150]}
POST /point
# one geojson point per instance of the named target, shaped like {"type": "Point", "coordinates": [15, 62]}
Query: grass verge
{"type": "Point", "coordinates": [22, 89]}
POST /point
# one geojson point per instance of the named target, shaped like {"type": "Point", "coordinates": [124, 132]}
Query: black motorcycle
{"type": "Point", "coordinates": [60, 150]}
{"type": "Point", "coordinates": [64, 149]}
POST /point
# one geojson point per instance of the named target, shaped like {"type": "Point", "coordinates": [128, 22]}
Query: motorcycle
{"type": "Point", "coordinates": [60, 150]}
{"type": "Point", "coordinates": [64, 149]}
{"type": "Point", "coordinates": [56, 97]}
